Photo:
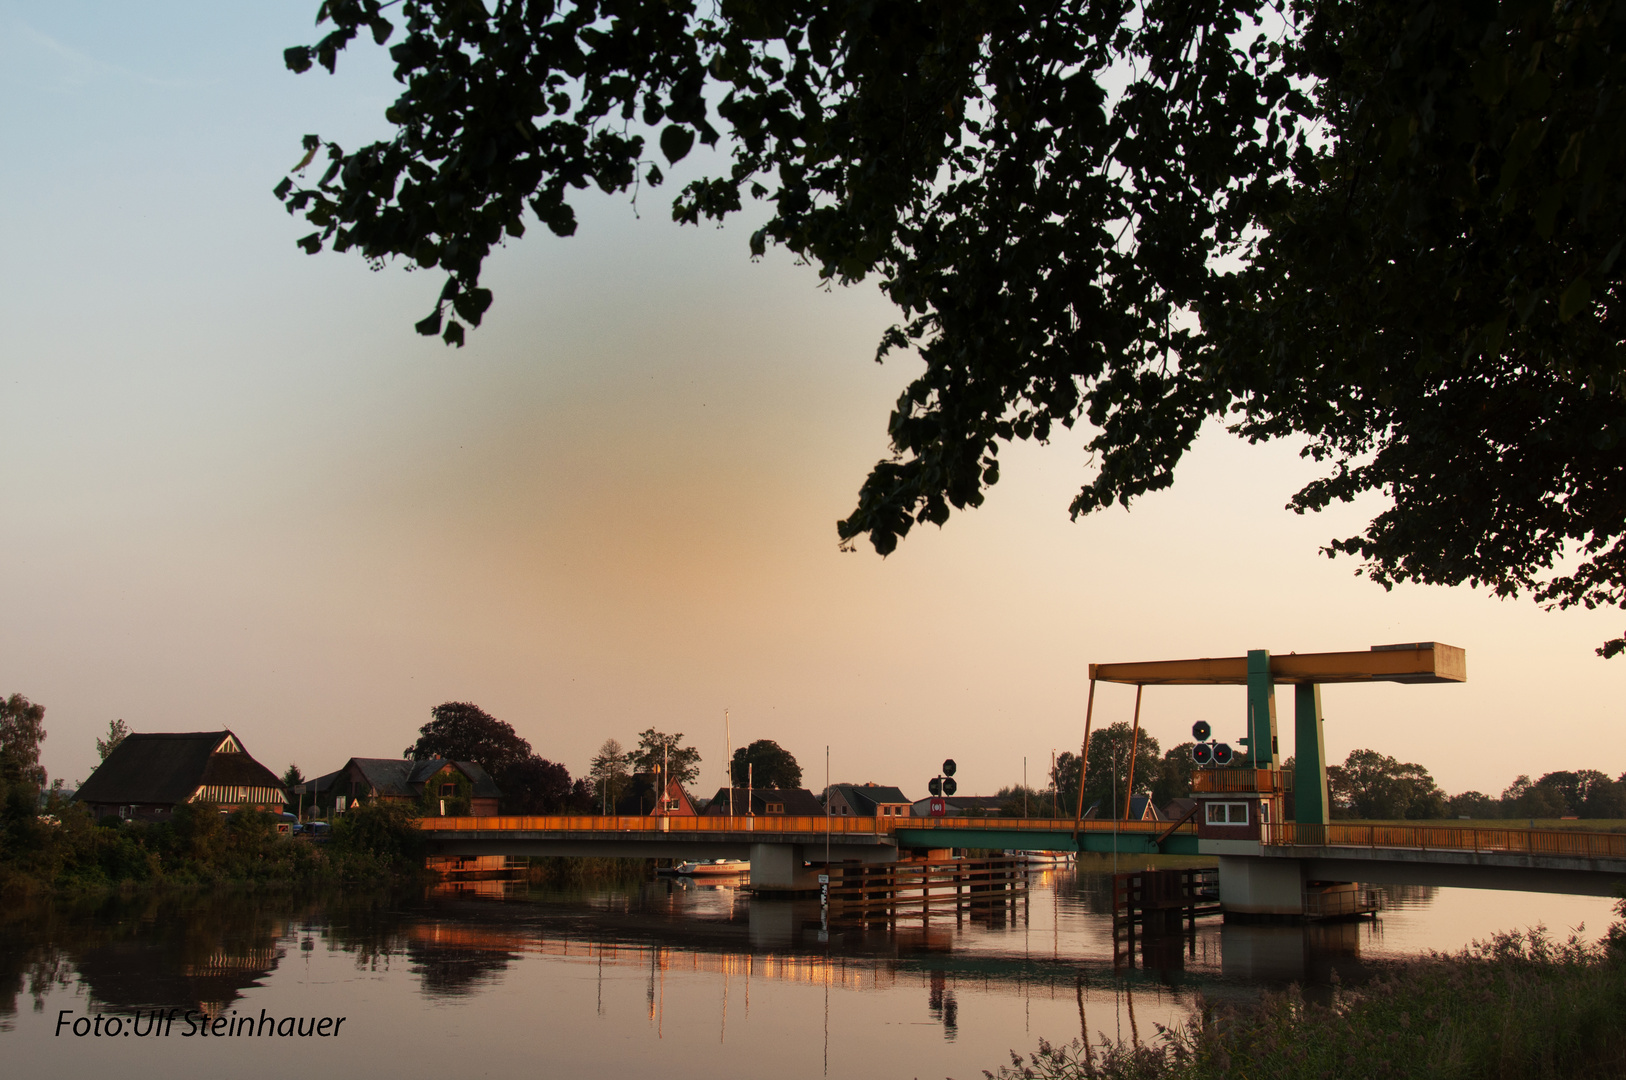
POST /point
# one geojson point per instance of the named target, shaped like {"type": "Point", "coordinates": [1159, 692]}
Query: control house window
{"type": "Point", "coordinates": [1227, 813]}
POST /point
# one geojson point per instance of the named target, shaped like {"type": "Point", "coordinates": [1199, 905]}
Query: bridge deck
{"type": "Point", "coordinates": [1573, 843]}
{"type": "Point", "coordinates": [650, 835]}
{"type": "Point", "coordinates": [796, 829]}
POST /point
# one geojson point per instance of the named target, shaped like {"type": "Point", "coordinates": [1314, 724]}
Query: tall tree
{"type": "Point", "coordinates": [22, 729]}
{"type": "Point", "coordinates": [459, 731]}
{"type": "Point", "coordinates": [608, 771]}
{"type": "Point", "coordinates": [1575, 788]}
{"type": "Point", "coordinates": [765, 764]}
{"type": "Point", "coordinates": [658, 751]}
{"type": "Point", "coordinates": [537, 786]}
{"type": "Point", "coordinates": [116, 731]}
{"type": "Point", "coordinates": [1389, 230]}
{"type": "Point", "coordinates": [1064, 775]}
{"type": "Point", "coordinates": [1375, 786]}
{"type": "Point", "coordinates": [1173, 775]}
{"type": "Point", "coordinates": [1108, 778]}
{"type": "Point", "coordinates": [1473, 804]}
{"type": "Point", "coordinates": [1524, 799]}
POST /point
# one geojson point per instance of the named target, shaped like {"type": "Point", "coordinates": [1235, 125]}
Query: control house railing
{"type": "Point", "coordinates": [1264, 781]}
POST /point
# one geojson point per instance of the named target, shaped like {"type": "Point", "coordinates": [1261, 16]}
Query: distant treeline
{"type": "Point", "coordinates": [1368, 785]}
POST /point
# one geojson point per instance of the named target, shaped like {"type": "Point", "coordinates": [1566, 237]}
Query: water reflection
{"type": "Point", "coordinates": [130, 955]}
{"type": "Point", "coordinates": [641, 972]}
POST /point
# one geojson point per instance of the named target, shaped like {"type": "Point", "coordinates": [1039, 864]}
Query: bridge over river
{"type": "Point", "coordinates": [787, 852]}
{"type": "Point", "coordinates": [1269, 866]}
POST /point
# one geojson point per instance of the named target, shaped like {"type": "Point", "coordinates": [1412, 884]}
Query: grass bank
{"type": "Point", "coordinates": [1519, 1006]}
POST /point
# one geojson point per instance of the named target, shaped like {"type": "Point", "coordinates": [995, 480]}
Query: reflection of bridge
{"type": "Point", "coordinates": [1539, 860]}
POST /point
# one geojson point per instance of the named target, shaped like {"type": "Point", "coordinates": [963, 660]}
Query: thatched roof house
{"type": "Point", "coordinates": [148, 774]}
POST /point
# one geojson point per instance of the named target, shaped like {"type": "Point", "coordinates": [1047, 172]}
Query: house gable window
{"type": "Point", "coordinates": [1227, 813]}
{"type": "Point", "coordinates": [776, 808]}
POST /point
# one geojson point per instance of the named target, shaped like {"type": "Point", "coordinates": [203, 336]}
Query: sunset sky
{"type": "Point", "coordinates": [240, 492]}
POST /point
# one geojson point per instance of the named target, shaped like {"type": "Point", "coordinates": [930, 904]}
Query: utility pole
{"type": "Point", "coordinates": [827, 808]}
{"type": "Point", "coordinates": [728, 761]}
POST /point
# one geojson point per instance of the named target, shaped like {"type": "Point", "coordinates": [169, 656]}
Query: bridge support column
{"type": "Point", "coordinates": [1262, 748]}
{"type": "Point", "coordinates": [1257, 887]}
{"type": "Point", "coordinates": [1309, 757]}
{"type": "Point", "coordinates": [778, 868]}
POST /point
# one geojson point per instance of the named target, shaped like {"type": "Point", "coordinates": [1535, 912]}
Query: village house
{"type": "Point", "coordinates": [867, 800]}
{"type": "Point", "coordinates": [961, 806]}
{"type": "Point", "coordinates": [790, 802]}
{"type": "Point", "coordinates": [1141, 808]}
{"type": "Point", "coordinates": [461, 786]}
{"type": "Point", "coordinates": [641, 797]}
{"type": "Point", "coordinates": [149, 774]}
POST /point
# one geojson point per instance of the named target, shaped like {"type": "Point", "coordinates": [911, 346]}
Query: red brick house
{"type": "Point", "coordinates": [642, 797]}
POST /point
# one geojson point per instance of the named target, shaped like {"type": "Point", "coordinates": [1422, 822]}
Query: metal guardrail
{"type": "Point", "coordinates": [1572, 842]}
{"type": "Point", "coordinates": [775, 823]}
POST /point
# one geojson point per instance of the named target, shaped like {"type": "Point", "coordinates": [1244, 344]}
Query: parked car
{"type": "Point", "coordinates": [317, 830]}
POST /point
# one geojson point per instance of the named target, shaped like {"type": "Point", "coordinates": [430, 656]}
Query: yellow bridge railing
{"type": "Point", "coordinates": [1572, 842]}
{"type": "Point", "coordinates": [1567, 842]}
{"type": "Point", "coordinates": [777, 823]}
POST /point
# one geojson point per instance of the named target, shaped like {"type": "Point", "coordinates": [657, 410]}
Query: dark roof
{"type": "Point", "coordinates": [321, 784]}
{"type": "Point", "coordinates": [167, 767]}
{"type": "Point", "coordinates": [798, 802]}
{"type": "Point", "coordinates": [867, 797]}
{"type": "Point", "coordinates": [388, 776]}
{"type": "Point", "coordinates": [1138, 809]}
{"type": "Point", "coordinates": [1178, 808]}
{"type": "Point", "coordinates": [405, 778]}
{"type": "Point", "coordinates": [978, 802]}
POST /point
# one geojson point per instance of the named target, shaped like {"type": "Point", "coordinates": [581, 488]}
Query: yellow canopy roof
{"type": "Point", "coordinates": [1418, 662]}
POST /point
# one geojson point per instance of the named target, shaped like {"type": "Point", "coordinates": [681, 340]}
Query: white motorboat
{"type": "Point", "coordinates": [714, 868]}
{"type": "Point", "coordinates": [1042, 859]}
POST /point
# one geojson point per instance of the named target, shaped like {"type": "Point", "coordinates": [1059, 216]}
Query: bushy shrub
{"type": "Point", "coordinates": [1520, 1005]}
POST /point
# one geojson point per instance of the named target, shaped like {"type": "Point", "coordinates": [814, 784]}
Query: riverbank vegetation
{"type": "Point", "coordinates": [1521, 1005]}
{"type": "Point", "coordinates": [61, 848]}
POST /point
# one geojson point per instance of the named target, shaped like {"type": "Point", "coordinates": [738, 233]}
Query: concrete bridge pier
{"type": "Point", "coordinates": [1254, 887]}
{"type": "Point", "coordinates": [778, 868]}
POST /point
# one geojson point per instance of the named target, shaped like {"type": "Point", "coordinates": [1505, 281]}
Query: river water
{"type": "Point", "coordinates": [661, 978]}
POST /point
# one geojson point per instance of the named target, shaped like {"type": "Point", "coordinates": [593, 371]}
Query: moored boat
{"type": "Point", "coordinates": [714, 867]}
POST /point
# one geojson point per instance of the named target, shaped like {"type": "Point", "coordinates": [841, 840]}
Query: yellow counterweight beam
{"type": "Point", "coordinates": [1418, 662]}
